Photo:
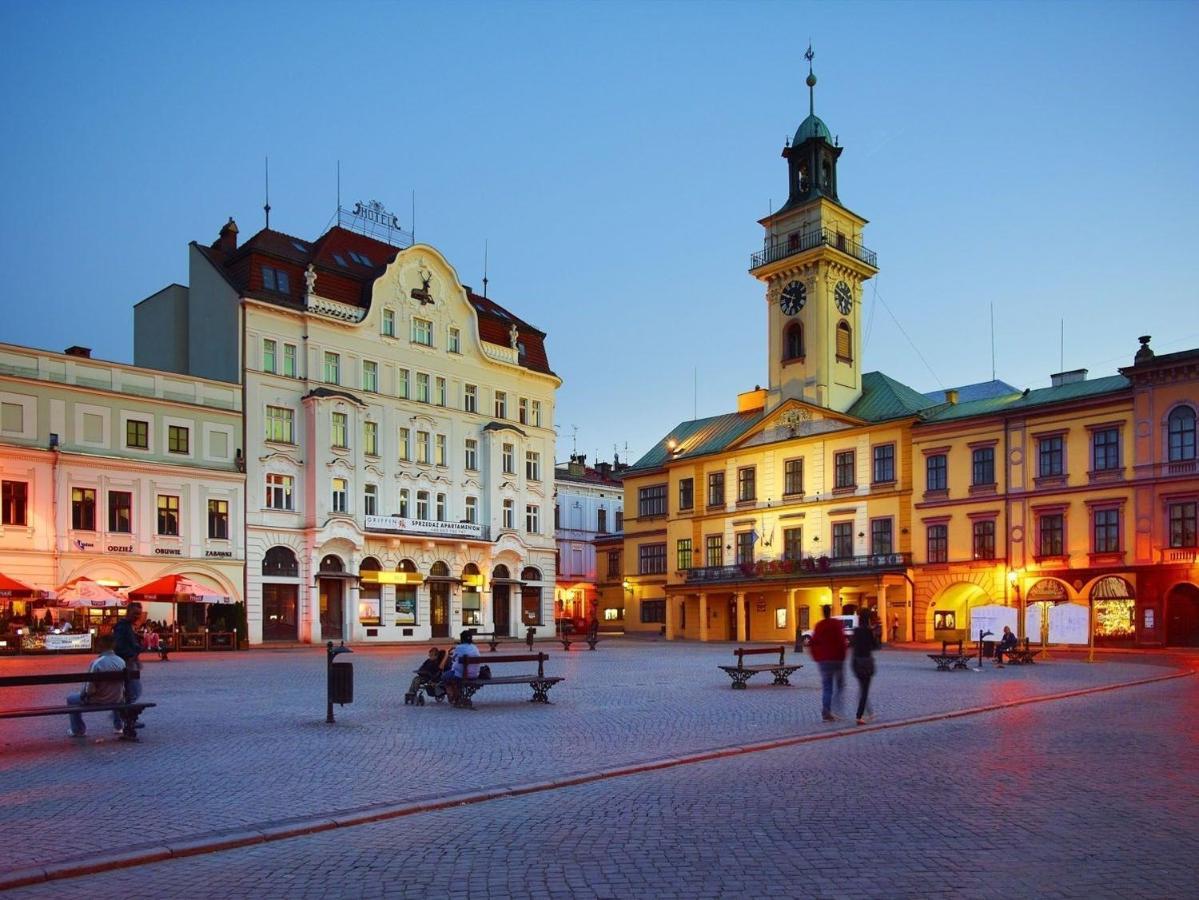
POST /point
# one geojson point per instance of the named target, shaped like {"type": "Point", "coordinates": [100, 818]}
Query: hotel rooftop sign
{"type": "Point", "coordinates": [399, 525]}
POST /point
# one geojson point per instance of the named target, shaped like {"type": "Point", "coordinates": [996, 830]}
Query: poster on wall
{"type": "Point", "coordinates": [1032, 622]}
{"type": "Point", "coordinates": [1069, 624]}
{"type": "Point", "coordinates": [991, 618]}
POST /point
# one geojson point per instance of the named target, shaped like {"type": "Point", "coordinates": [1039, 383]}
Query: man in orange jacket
{"type": "Point", "coordinates": [828, 650]}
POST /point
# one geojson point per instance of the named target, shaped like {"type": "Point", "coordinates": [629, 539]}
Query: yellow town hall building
{"type": "Point", "coordinates": [834, 486]}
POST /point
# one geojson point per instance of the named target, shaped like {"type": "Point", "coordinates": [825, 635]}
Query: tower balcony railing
{"type": "Point", "coordinates": [810, 567]}
{"type": "Point", "coordinates": [799, 241]}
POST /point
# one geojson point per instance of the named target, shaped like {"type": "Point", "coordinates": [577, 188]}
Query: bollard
{"type": "Point", "coordinates": [529, 636]}
{"type": "Point", "coordinates": [339, 679]}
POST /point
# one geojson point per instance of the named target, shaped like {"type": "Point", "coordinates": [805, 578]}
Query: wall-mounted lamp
{"type": "Point", "coordinates": [627, 586]}
{"type": "Point", "coordinates": [861, 534]}
{"type": "Point", "coordinates": [815, 539]}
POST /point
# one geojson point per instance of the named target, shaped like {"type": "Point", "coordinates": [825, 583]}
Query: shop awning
{"type": "Point", "coordinates": [11, 588]}
{"type": "Point", "coordinates": [83, 593]}
{"type": "Point", "coordinates": [177, 589]}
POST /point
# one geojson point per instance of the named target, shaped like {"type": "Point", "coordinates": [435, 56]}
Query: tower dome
{"type": "Point", "coordinates": [811, 127]}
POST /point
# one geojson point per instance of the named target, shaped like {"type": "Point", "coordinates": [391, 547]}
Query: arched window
{"type": "Point", "coordinates": [439, 569]}
{"type": "Point", "coordinates": [369, 606]}
{"type": "Point", "coordinates": [844, 341]}
{"type": "Point", "coordinates": [530, 573]}
{"type": "Point", "coordinates": [793, 341]}
{"type": "Point", "coordinates": [500, 571]}
{"type": "Point", "coordinates": [406, 565]}
{"type": "Point", "coordinates": [405, 603]}
{"type": "Point", "coordinates": [332, 563]}
{"type": "Point", "coordinates": [280, 562]}
{"type": "Point", "coordinates": [530, 597]}
{"type": "Point", "coordinates": [472, 606]}
{"type": "Point", "coordinates": [1182, 434]}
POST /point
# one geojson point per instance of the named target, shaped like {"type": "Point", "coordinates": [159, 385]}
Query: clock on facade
{"type": "Point", "coordinates": [793, 298]}
{"type": "Point", "coordinates": [844, 298]}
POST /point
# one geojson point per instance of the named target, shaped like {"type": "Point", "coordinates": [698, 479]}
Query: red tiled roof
{"type": "Point", "coordinates": [344, 278]}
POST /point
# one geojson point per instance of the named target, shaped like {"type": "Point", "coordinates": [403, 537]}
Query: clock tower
{"type": "Point", "coordinates": [814, 267]}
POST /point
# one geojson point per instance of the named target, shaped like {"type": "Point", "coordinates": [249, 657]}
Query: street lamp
{"type": "Point", "coordinates": [1013, 577]}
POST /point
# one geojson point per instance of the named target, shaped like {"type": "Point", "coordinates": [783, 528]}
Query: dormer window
{"type": "Point", "coordinates": [275, 280]}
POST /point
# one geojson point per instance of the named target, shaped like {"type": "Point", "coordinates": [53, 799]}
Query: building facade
{"type": "Point", "coordinates": [589, 506]}
{"type": "Point", "coordinates": [118, 473]}
{"type": "Point", "coordinates": [399, 436]}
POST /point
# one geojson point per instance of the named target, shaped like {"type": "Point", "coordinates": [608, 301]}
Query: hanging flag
{"type": "Point", "coordinates": [753, 535]}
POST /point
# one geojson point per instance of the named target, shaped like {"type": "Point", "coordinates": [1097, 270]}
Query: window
{"type": "Point", "coordinates": [1182, 524]}
{"type": "Point", "coordinates": [536, 420]}
{"type": "Point", "coordinates": [936, 472]}
{"type": "Point", "coordinates": [178, 439]}
{"type": "Point", "coordinates": [405, 445]}
{"type": "Point", "coordinates": [472, 454]}
{"type": "Point", "coordinates": [686, 493]}
{"type": "Point", "coordinates": [983, 467]}
{"type": "Point", "coordinates": [370, 376]}
{"type": "Point", "coordinates": [651, 559]}
{"type": "Point", "coordinates": [422, 332]}
{"type": "Point", "coordinates": [442, 393]}
{"type": "Point", "coordinates": [1107, 531]}
{"type": "Point", "coordinates": [332, 368]}
{"type": "Point", "coordinates": [843, 465]}
{"type": "Point", "coordinates": [1105, 449]}
{"type": "Point", "coordinates": [1051, 536]}
{"type": "Point", "coordinates": [404, 503]}
{"type": "Point", "coordinates": [470, 398]}
{"type": "Point", "coordinates": [340, 430]}
{"type": "Point", "coordinates": [508, 455]}
{"type": "Point", "coordinates": [422, 387]}
{"type": "Point", "coordinates": [289, 360]}
{"type": "Point", "coordinates": [683, 554]}
{"type": "Point", "coordinates": [389, 323]}
{"type": "Point", "coordinates": [619, 520]}
{"type": "Point", "coordinates": [532, 465]}
{"type": "Point", "coordinates": [339, 500]}
{"type": "Point", "coordinates": [120, 512]}
{"type": "Point", "coordinates": [1181, 428]}
{"type": "Point", "coordinates": [793, 342]}
{"type": "Point", "coordinates": [218, 520]}
{"type": "Point", "coordinates": [509, 515]}
{"type": "Point", "coordinates": [842, 540]}
{"type": "Point", "coordinates": [440, 509]}
{"type": "Point", "coordinates": [269, 355]}
{"type": "Point", "coordinates": [653, 611]}
{"type": "Point", "coordinates": [501, 405]}
{"type": "Point", "coordinates": [370, 438]}
{"type": "Point", "coordinates": [83, 509]}
{"type": "Point", "coordinates": [275, 280]}
{"type": "Point", "coordinates": [406, 594]}
{"type": "Point", "coordinates": [168, 514]}
{"type": "Point", "coordinates": [403, 383]}
{"type": "Point", "coordinates": [984, 539]}
{"type": "Point", "coordinates": [793, 477]}
{"type": "Point", "coordinates": [472, 510]}
{"type": "Point", "coordinates": [279, 425]}
{"type": "Point", "coordinates": [714, 551]}
{"type": "Point", "coordinates": [881, 543]}
{"type": "Point", "coordinates": [747, 484]}
{"type": "Point", "coordinates": [422, 447]}
{"type": "Point", "coordinates": [745, 547]}
{"type": "Point", "coordinates": [522, 410]}
{"type": "Point", "coordinates": [16, 503]}
{"type": "Point", "coordinates": [439, 446]}
{"type": "Point", "coordinates": [716, 489]}
{"type": "Point", "coordinates": [1050, 456]}
{"type": "Point", "coordinates": [422, 505]}
{"type": "Point", "coordinates": [602, 515]}
{"type": "Point", "coordinates": [613, 563]}
{"type": "Point", "coordinates": [279, 491]}
{"type": "Point", "coordinates": [454, 345]}
{"type": "Point", "coordinates": [844, 342]}
{"type": "Point", "coordinates": [651, 501]}
{"type": "Point", "coordinates": [370, 500]}
{"type": "Point", "coordinates": [12, 418]}
{"type": "Point", "coordinates": [938, 543]}
{"type": "Point", "coordinates": [884, 464]}
{"type": "Point", "coordinates": [137, 434]}
{"type": "Point", "coordinates": [792, 543]}
{"type": "Point", "coordinates": [533, 519]}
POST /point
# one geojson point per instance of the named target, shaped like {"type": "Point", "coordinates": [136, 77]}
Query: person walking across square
{"type": "Point", "coordinates": [863, 644]}
{"type": "Point", "coordinates": [828, 650]}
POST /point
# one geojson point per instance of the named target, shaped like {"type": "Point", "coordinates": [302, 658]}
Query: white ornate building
{"type": "Point", "coordinates": [589, 505]}
{"type": "Point", "coordinates": [399, 435]}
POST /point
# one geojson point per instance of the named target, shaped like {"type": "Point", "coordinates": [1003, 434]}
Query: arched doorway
{"type": "Point", "coordinates": [331, 584]}
{"type": "Point", "coordinates": [280, 595]}
{"type": "Point", "coordinates": [530, 596]}
{"type": "Point", "coordinates": [949, 613]}
{"type": "Point", "coordinates": [370, 607]}
{"type": "Point", "coordinates": [1115, 609]}
{"type": "Point", "coordinates": [439, 599]}
{"type": "Point", "coordinates": [501, 600]}
{"type": "Point", "coordinates": [472, 605]}
{"type": "Point", "coordinates": [1043, 594]}
{"type": "Point", "coordinates": [1182, 616]}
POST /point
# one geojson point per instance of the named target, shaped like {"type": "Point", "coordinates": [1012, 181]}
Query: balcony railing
{"type": "Point", "coordinates": [797, 242]}
{"type": "Point", "coordinates": [809, 567]}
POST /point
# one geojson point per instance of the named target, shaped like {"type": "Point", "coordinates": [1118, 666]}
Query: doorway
{"type": "Point", "coordinates": [732, 617]}
{"type": "Point", "coordinates": [501, 609]}
{"type": "Point", "coordinates": [1182, 616]}
{"type": "Point", "coordinates": [332, 609]}
{"type": "Point", "coordinates": [439, 608]}
{"type": "Point", "coordinates": [279, 606]}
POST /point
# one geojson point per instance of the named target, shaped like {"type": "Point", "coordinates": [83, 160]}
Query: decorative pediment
{"type": "Point", "coordinates": [279, 459]}
{"type": "Point", "coordinates": [340, 464]}
{"type": "Point", "coordinates": [374, 469]}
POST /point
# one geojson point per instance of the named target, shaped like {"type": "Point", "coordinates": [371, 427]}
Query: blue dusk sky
{"type": "Point", "coordinates": [616, 157]}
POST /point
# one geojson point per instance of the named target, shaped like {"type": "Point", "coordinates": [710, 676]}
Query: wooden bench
{"type": "Point", "coordinates": [742, 673]}
{"type": "Point", "coordinates": [592, 639]}
{"type": "Point", "coordinates": [128, 711]}
{"type": "Point", "coordinates": [950, 658]}
{"type": "Point", "coordinates": [541, 683]}
{"type": "Point", "coordinates": [493, 640]}
{"type": "Point", "coordinates": [1020, 655]}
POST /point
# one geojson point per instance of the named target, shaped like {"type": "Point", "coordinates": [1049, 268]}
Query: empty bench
{"type": "Point", "coordinates": [592, 639]}
{"type": "Point", "coordinates": [128, 712]}
{"type": "Point", "coordinates": [540, 682]}
{"type": "Point", "coordinates": [741, 673]}
{"type": "Point", "coordinates": [493, 640]}
{"type": "Point", "coordinates": [951, 657]}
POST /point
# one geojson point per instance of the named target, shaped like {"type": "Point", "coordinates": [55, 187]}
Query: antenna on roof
{"type": "Point", "coordinates": [484, 268]}
{"type": "Point", "coordinates": [414, 215]}
{"type": "Point", "coordinates": [574, 439]}
{"type": "Point", "coordinates": [1061, 363]}
{"type": "Point", "coordinates": [339, 184]}
{"type": "Point", "coordinates": [992, 340]}
{"type": "Point", "coordinates": [266, 207]}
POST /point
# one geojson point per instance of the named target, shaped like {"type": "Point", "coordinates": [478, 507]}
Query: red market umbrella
{"type": "Point", "coordinates": [11, 588]}
{"type": "Point", "coordinates": [83, 593]}
{"type": "Point", "coordinates": [177, 589]}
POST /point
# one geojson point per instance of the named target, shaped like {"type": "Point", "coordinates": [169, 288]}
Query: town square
{"type": "Point", "coordinates": [600, 450]}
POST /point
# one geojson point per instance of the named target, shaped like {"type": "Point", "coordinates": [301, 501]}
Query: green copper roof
{"type": "Point", "coordinates": [699, 437]}
{"type": "Point", "coordinates": [1011, 403]}
{"type": "Point", "coordinates": [811, 127]}
{"type": "Point", "coordinates": [885, 398]}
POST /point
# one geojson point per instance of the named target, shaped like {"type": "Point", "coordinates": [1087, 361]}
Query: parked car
{"type": "Point", "coordinates": [849, 623]}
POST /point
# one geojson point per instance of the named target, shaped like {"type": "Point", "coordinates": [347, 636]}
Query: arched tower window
{"type": "Point", "coordinates": [1181, 428]}
{"type": "Point", "coordinates": [793, 342]}
{"type": "Point", "coordinates": [844, 342]}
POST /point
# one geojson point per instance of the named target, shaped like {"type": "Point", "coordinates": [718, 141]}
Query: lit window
{"type": "Point", "coordinates": [168, 514]}
{"type": "Point", "coordinates": [83, 509]}
{"type": "Point", "coordinates": [178, 439]}
{"type": "Point", "coordinates": [137, 434]}
{"type": "Point", "coordinates": [279, 491]}
{"type": "Point", "coordinates": [339, 495]}
{"type": "Point", "coordinates": [218, 520]}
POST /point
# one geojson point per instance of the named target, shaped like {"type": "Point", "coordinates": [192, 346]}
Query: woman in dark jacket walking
{"type": "Point", "coordinates": [862, 646]}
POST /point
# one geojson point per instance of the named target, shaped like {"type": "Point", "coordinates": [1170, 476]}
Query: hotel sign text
{"type": "Point", "coordinates": [398, 525]}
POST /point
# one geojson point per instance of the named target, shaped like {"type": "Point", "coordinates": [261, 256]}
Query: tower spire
{"type": "Point", "coordinates": [811, 80]}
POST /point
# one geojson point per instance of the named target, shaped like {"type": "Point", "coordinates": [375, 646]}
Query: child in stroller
{"type": "Point", "coordinates": [427, 680]}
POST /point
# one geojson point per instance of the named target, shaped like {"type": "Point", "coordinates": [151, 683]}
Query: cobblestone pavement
{"type": "Point", "coordinates": [1093, 796]}
{"type": "Point", "coordinates": [239, 740]}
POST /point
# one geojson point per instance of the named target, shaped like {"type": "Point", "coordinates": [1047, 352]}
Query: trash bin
{"type": "Point", "coordinates": [989, 649]}
{"type": "Point", "coordinates": [339, 682]}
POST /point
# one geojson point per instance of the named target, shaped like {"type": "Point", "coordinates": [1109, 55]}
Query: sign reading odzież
{"type": "Point", "coordinates": [398, 525]}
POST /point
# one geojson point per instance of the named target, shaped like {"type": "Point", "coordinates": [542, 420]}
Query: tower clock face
{"type": "Point", "coordinates": [794, 296]}
{"type": "Point", "coordinates": [844, 297]}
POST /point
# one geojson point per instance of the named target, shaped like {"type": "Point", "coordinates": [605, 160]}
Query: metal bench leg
{"type": "Point", "coordinates": [740, 678]}
{"type": "Point", "coordinates": [129, 725]}
{"type": "Point", "coordinates": [782, 679]}
{"type": "Point", "coordinates": [541, 691]}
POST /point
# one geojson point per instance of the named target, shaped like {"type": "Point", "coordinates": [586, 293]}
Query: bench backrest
{"type": "Point", "coordinates": [538, 658]}
{"type": "Point", "coordinates": [67, 678]}
{"type": "Point", "coordinates": [750, 651]}
{"type": "Point", "coordinates": [945, 645]}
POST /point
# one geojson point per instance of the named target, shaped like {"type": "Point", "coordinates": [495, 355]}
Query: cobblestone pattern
{"type": "Point", "coordinates": [240, 740]}
{"type": "Point", "coordinates": [1086, 797]}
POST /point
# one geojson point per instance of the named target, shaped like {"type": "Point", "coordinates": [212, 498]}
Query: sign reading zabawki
{"type": "Point", "coordinates": [398, 525]}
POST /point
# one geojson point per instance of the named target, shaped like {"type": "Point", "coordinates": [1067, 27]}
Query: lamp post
{"type": "Point", "coordinates": [1013, 577]}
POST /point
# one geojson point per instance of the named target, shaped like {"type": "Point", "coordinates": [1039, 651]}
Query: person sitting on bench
{"type": "Point", "coordinates": [103, 694]}
{"type": "Point", "coordinates": [1006, 644]}
{"type": "Point", "coordinates": [429, 671]}
{"type": "Point", "coordinates": [457, 667]}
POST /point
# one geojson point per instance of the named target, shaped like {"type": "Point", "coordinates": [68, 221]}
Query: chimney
{"type": "Point", "coordinates": [951, 396]}
{"type": "Point", "coordinates": [1144, 354]}
{"type": "Point", "coordinates": [81, 352]}
{"type": "Point", "coordinates": [1057, 379]}
{"type": "Point", "coordinates": [604, 469]}
{"type": "Point", "coordinates": [227, 240]}
{"type": "Point", "coordinates": [578, 464]}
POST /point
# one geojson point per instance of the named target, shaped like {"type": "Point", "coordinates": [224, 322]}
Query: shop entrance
{"type": "Point", "coordinates": [1182, 616]}
{"type": "Point", "coordinates": [501, 608]}
{"type": "Point", "coordinates": [332, 599]}
{"type": "Point", "coordinates": [439, 608]}
{"type": "Point", "coordinates": [279, 605]}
